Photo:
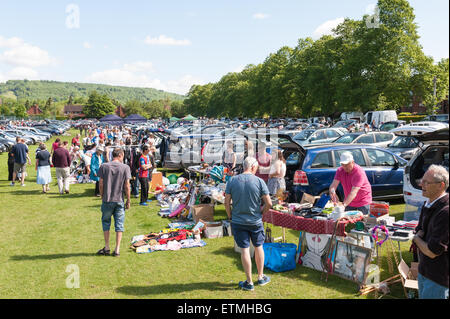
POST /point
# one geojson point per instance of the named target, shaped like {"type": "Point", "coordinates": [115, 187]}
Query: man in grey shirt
{"type": "Point", "coordinates": [114, 181]}
{"type": "Point", "coordinates": [247, 191]}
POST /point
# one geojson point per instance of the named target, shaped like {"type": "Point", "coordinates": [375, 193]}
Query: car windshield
{"type": "Point", "coordinates": [405, 142]}
{"type": "Point", "coordinates": [346, 139]}
{"type": "Point", "coordinates": [387, 126]}
{"type": "Point", "coordinates": [303, 135]}
{"type": "Point", "coordinates": [343, 123]}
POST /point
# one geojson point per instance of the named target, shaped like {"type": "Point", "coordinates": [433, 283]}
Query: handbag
{"type": "Point", "coordinates": [279, 257]}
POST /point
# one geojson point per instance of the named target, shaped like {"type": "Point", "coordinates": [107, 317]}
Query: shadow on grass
{"type": "Point", "coordinates": [300, 274]}
{"type": "Point", "coordinates": [51, 256]}
{"type": "Point", "coordinates": [174, 288]}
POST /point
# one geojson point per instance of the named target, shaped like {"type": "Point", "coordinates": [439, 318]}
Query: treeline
{"type": "Point", "coordinates": [24, 90]}
{"type": "Point", "coordinates": [363, 66]}
{"type": "Point", "coordinates": [98, 102]}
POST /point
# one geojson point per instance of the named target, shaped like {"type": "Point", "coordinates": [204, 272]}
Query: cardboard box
{"type": "Point", "coordinates": [409, 274]}
{"type": "Point", "coordinates": [157, 180]}
{"type": "Point", "coordinates": [306, 198]}
{"type": "Point", "coordinates": [213, 230]}
{"type": "Point", "coordinates": [204, 212]}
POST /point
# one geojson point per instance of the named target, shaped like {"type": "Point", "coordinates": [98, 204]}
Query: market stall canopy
{"type": "Point", "coordinates": [189, 118]}
{"type": "Point", "coordinates": [135, 118]}
{"type": "Point", "coordinates": [174, 119]}
{"type": "Point", "coordinates": [112, 118]}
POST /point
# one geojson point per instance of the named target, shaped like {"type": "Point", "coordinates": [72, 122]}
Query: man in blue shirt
{"type": "Point", "coordinates": [246, 191]}
{"type": "Point", "coordinates": [20, 153]}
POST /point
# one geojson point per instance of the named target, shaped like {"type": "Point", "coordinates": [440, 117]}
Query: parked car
{"type": "Point", "coordinates": [404, 146]}
{"type": "Point", "coordinates": [380, 139]}
{"type": "Point", "coordinates": [345, 123]}
{"type": "Point", "coordinates": [12, 135]}
{"type": "Point", "coordinates": [315, 166]}
{"type": "Point", "coordinates": [433, 151]}
{"type": "Point", "coordinates": [7, 143]}
{"type": "Point", "coordinates": [436, 125]}
{"type": "Point", "coordinates": [386, 127]}
{"type": "Point", "coordinates": [320, 136]}
{"type": "Point", "coordinates": [438, 118]}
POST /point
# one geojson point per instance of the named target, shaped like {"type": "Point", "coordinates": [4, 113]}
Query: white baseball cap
{"type": "Point", "coordinates": [346, 158]}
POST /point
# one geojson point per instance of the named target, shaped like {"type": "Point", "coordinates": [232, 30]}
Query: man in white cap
{"type": "Point", "coordinates": [357, 189]}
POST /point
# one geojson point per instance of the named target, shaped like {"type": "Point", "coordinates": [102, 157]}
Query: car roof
{"type": "Point", "coordinates": [415, 130]}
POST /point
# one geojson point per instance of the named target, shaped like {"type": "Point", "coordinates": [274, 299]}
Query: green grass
{"type": "Point", "coordinates": [44, 233]}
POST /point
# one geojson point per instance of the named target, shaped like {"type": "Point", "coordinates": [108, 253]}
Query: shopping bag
{"type": "Point", "coordinates": [279, 257]}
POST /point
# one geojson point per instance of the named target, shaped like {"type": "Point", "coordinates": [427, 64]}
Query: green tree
{"type": "Point", "coordinates": [98, 105]}
{"type": "Point", "coordinates": [135, 107]}
{"type": "Point", "coordinates": [20, 111]}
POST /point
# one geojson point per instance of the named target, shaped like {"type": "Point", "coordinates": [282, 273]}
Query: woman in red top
{"type": "Point", "coordinates": [76, 140]}
{"type": "Point", "coordinates": [55, 145]}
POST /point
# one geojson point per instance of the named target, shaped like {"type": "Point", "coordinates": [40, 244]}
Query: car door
{"type": "Point", "coordinates": [387, 173]}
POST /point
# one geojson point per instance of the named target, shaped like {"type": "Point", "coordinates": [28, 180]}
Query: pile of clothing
{"type": "Point", "coordinates": [167, 239]}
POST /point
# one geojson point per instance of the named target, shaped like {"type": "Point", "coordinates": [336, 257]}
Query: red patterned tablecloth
{"type": "Point", "coordinates": [313, 226]}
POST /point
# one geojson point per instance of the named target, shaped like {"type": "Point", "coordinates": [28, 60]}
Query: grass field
{"type": "Point", "coordinates": [42, 234]}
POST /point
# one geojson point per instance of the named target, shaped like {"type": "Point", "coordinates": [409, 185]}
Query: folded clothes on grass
{"type": "Point", "coordinates": [172, 245]}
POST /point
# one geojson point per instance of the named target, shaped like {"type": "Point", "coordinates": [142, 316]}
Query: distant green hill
{"type": "Point", "coordinates": [60, 91]}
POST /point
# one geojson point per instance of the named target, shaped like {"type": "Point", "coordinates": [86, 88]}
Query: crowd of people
{"type": "Point", "coordinates": [109, 158]}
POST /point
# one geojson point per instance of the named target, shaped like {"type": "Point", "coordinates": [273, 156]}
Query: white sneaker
{"type": "Point", "coordinates": [11, 184]}
{"type": "Point", "coordinates": [22, 185]}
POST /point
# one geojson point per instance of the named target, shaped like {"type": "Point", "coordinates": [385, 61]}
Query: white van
{"type": "Point", "coordinates": [352, 116]}
{"type": "Point", "coordinates": [380, 117]}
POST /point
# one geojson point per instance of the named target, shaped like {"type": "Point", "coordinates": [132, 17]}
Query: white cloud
{"type": "Point", "coordinates": [10, 43]}
{"type": "Point", "coordinates": [370, 9]}
{"type": "Point", "coordinates": [183, 85]}
{"type": "Point", "coordinates": [239, 69]}
{"type": "Point", "coordinates": [142, 66]}
{"type": "Point", "coordinates": [260, 16]}
{"type": "Point", "coordinates": [134, 75]}
{"type": "Point", "coordinates": [164, 40]}
{"type": "Point", "coordinates": [20, 53]}
{"type": "Point", "coordinates": [327, 27]}
{"type": "Point", "coordinates": [87, 45]}
{"type": "Point", "coordinates": [21, 73]}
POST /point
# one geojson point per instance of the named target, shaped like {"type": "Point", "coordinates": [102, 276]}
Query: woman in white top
{"type": "Point", "coordinates": [277, 173]}
{"type": "Point", "coordinates": [229, 157]}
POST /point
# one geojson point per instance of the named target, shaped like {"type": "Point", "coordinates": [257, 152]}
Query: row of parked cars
{"type": "Point", "coordinates": [36, 132]}
{"type": "Point", "coordinates": [394, 157]}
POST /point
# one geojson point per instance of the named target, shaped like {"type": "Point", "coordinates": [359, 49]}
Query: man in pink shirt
{"type": "Point", "coordinates": [357, 189]}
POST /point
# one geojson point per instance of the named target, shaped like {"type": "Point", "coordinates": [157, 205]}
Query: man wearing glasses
{"type": "Point", "coordinates": [432, 236]}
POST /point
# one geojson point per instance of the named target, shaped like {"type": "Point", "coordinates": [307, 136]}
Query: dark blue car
{"type": "Point", "coordinates": [314, 167]}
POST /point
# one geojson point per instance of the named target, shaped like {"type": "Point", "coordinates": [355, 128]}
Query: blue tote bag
{"type": "Point", "coordinates": [279, 257]}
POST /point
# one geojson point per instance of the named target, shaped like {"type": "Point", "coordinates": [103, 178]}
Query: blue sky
{"type": "Point", "coordinates": [173, 44]}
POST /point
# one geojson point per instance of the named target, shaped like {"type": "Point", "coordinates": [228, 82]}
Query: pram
{"type": "Point", "coordinates": [77, 168]}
